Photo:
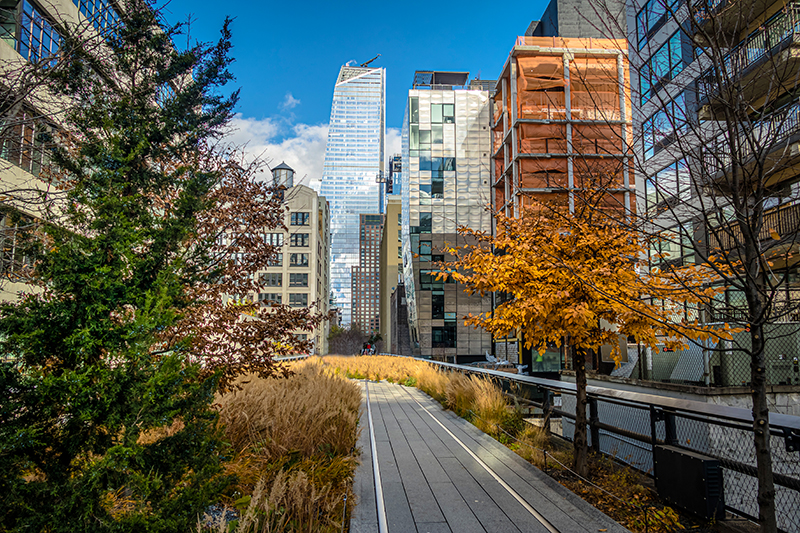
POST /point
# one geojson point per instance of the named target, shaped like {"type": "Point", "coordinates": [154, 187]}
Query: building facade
{"type": "Point", "coordinates": [31, 31]}
{"type": "Point", "coordinates": [445, 168]}
{"type": "Point", "coordinates": [682, 144]}
{"type": "Point", "coordinates": [391, 257]}
{"type": "Point", "coordinates": [365, 276]}
{"type": "Point", "coordinates": [299, 276]}
{"type": "Point", "coordinates": [561, 122]}
{"type": "Point", "coordinates": [354, 157]}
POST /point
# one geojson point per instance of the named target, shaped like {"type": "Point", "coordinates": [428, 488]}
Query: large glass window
{"type": "Point", "coordinates": [425, 222]}
{"type": "Point", "coordinates": [273, 239]}
{"type": "Point", "coordinates": [27, 143]}
{"type": "Point", "coordinates": [670, 182]}
{"type": "Point", "coordinates": [651, 18]}
{"type": "Point", "coordinates": [272, 279]}
{"type": "Point", "coordinates": [35, 37]}
{"type": "Point", "coordinates": [443, 114]}
{"type": "Point", "coordinates": [437, 305]}
{"type": "Point", "coordinates": [100, 12]}
{"type": "Point", "coordinates": [662, 67]}
{"type": "Point", "coordinates": [299, 240]}
{"type": "Point", "coordinates": [276, 261]}
{"type": "Point", "coordinates": [298, 280]}
{"type": "Point", "coordinates": [299, 219]}
{"type": "Point", "coordinates": [661, 128]}
{"type": "Point", "coordinates": [443, 337]}
{"type": "Point", "coordinates": [298, 299]}
{"type": "Point", "coordinates": [298, 260]}
{"type": "Point", "coordinates": [413, 110]}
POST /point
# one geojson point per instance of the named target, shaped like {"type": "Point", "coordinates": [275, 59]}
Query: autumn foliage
{"type": "Point", "coordinates": [581, 277]}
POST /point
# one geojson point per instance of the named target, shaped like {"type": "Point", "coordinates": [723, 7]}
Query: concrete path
{"type": "Point", "coordinates": [438, 473]}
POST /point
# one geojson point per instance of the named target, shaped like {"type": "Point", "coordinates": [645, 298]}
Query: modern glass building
{"type": "Point", "coordinates": [353, 159]}
{"type": "Point", "coordinates": [446, 148]}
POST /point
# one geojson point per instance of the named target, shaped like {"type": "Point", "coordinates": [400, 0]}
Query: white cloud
{"type": "Point", "coordinates": [393, 143]}
{"type": "Point", "coordinates": [289, 102]}
{"type": "Point", "coordinates": [301, 146]}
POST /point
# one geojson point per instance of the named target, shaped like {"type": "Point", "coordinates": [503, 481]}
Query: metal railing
{"type": "Point", "coordinates": [759, 138]}
{"type": "Point", "coordinates": [627, 425]}
{"type": "Point", "coordinates": [784, 220]}
{"type": "Point", "coordinates": [779, 30]}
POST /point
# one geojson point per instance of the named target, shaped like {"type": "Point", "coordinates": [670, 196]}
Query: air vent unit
{"type": "Point", "coordinates": [690, 481]}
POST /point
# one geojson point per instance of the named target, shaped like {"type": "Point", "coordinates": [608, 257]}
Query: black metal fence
{"type": "Point", "coordinates": [627, 425]}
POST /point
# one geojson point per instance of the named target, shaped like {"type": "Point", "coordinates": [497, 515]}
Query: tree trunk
{"type": "Point", "coordinates": [766, 484]}
{"type": "Point", "coordinates": [580, 463]}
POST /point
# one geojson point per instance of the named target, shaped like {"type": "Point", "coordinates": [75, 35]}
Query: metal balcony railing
{"type": "Point", "coordinates": [759, 137]}
{"type": "Point", "coordinates": [778, 31]}
{"type": "Point", "coordinates": [784, 220]}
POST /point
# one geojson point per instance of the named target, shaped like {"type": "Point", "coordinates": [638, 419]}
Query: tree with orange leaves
{"type": "Point", "coordinates": [579, 278]}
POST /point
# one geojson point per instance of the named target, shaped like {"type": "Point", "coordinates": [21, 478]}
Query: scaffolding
{"type": "Point", "coordinates": [562, 117]}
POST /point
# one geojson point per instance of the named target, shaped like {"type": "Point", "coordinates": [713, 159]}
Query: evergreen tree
{"type": "Point", "coordinates": [100, 430]}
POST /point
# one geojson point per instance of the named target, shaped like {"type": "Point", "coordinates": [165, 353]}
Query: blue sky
{"type": "Point", "coordinates": [288, 55]}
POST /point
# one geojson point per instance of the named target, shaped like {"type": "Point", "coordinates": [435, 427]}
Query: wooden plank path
{"type": "Point", "coordinates": [439, 474]}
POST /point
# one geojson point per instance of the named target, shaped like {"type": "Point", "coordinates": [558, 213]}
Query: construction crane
{"type": "Point", "coordinates": [370, 61]}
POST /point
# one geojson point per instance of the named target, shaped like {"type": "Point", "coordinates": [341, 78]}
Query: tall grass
{"type": "Point", "coordinates": [294, 440]}
{"type": "Point", "coordinates": [475, 398]}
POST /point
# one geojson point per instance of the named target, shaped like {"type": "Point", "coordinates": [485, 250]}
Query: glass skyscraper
{"type": "Point", "coordinates": [353, 159]}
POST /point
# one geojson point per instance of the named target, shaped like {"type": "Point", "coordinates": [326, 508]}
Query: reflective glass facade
{"type": "Point", "coordinates": [353, 158]}
{"type": "Point", "coordinates": [445, 183]}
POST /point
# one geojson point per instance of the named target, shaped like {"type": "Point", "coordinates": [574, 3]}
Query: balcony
{"type": "Point", "coordinates": [784, 220]}
{"type": "Point", "coordinates": [747, 64]}
{"type": "Point", "coordinates": [730, 17]}
{"type": "Point", "coordinates": [769, 136]}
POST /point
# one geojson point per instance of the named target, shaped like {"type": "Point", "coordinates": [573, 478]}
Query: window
{"type": "Point", "coordinates": [274, 239]}
{"type": "Point", "coordinates": [298, 300]}
{"type": "Point", "coordinates": [428, 281]}
{"type": "Point", "coordinates": [437, 305]}
{"type": "Point", "coordinates": [442, 114]}
{"type": "Point", "coordinates": [100, 12]}
{"type": "Point", "coordinates": [299, 240]}
{"type": "Point", "coordinates": [674, 246]}
{"type": "Point", "coordinates": [425, 223]}
{"type": "Point", "coordinates": [413, 110]}
{"type": "Point", "coordinates": [443, 337]}
{"type": "Point", "coordinates": [298, 260]}
{"type": "Point", "coordinates": [425, 248]}
{"type": "Point", "coordinates": [662, 67]}
{"type": "Point", "coordinates": [299, 219]}
{"type": "Point", "coordinates": [650, 19]}
{"type": "Point", "coordinates": [670, 182]}
{"type": "Point", "coordinates": [276, 260]}
{"type": "Point", "coordinates": [298, 280]}
{"type": "Point", "coordinates": [33, 36]}
{"type": "Point", "coordinates": [660, 129]}
{"type": "Point", "coordinates": [267, 298]}
{"type": "Point", "coordinates": [272, 279]}
{"type": "Point", "coordinates": [27, 143]}
{"type": "Point", "coordinates": [14, 259]}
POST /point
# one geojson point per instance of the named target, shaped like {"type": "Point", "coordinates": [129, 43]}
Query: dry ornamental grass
{"type": "Point", "coordinates": [294, 440]}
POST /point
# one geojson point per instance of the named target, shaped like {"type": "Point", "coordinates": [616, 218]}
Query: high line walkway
{"type": "Point", "coordinates": [436, 473]}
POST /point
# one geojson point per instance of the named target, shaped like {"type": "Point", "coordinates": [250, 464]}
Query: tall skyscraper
{"type": "Point", "coordinates": [353, 159]}
{"type": "Point", "coordinates": [445, 183]}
